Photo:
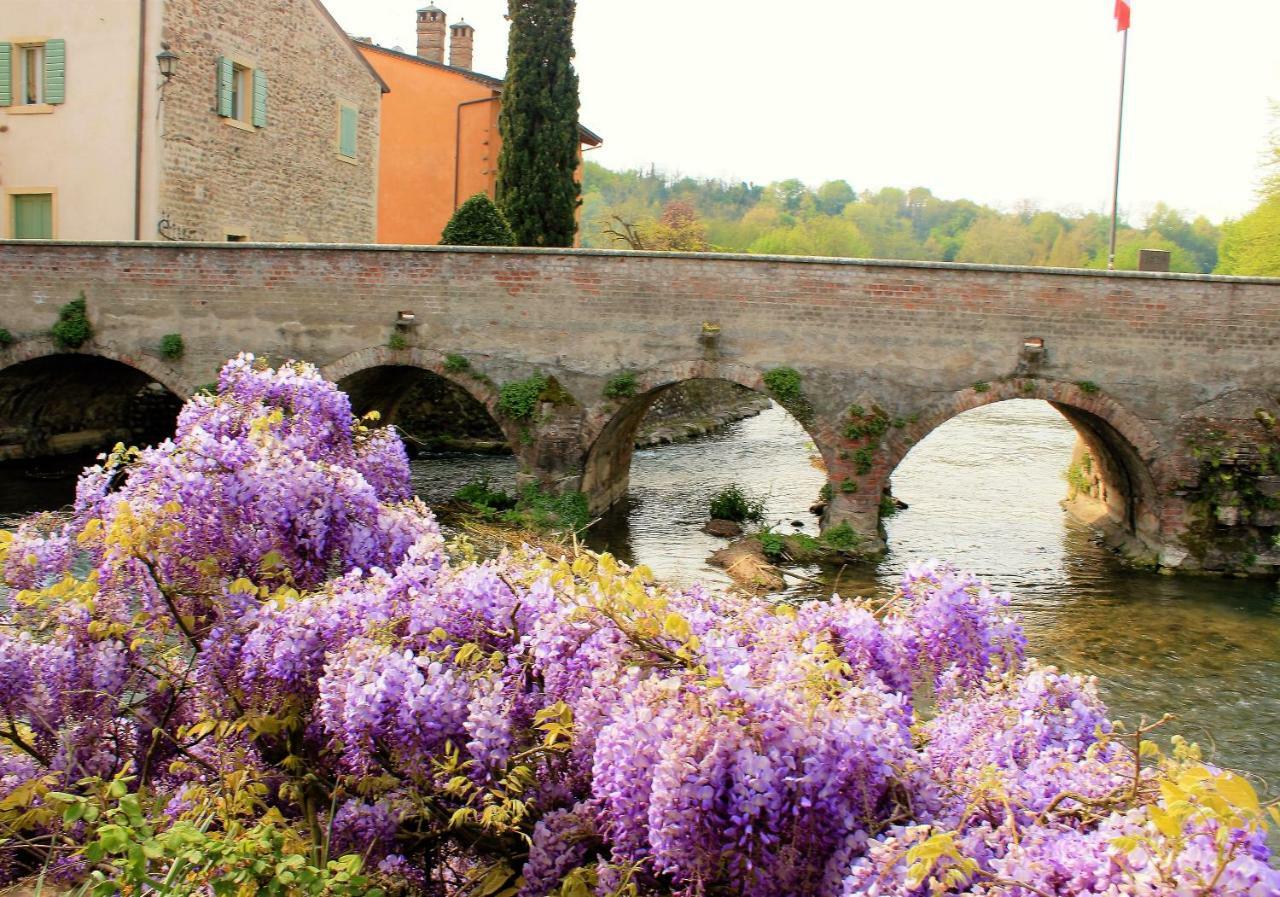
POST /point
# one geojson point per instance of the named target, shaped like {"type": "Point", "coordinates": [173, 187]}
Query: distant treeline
{"type": "Point", "coordinates": [651, 210]}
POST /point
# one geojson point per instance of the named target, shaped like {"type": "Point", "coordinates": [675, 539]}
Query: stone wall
{"type": "Point", "coordinates": [285, 181]}
{"type": "Point", "coordinates": [884, 352]}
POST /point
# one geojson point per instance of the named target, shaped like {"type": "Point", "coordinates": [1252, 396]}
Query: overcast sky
{"type": "Point", "coordinates": [1000, 101]}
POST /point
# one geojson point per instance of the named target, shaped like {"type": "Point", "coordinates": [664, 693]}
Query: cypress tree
{"type": "Point", "coordinates": [477, 222]}
{"type": "Point", "coordinates": [539, 125]}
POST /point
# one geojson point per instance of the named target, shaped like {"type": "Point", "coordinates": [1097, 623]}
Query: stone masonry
{"type": "Point", "coordinates": [1170, 380]}
{"type": "Point", "coordinates": [285, 181]}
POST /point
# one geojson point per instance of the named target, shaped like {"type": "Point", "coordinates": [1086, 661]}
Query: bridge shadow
{"type": "Point", "coordinates": [70, 405]}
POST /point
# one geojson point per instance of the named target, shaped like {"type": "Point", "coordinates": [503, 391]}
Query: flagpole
{"type": "Point", "coordinates": [1115, 185]}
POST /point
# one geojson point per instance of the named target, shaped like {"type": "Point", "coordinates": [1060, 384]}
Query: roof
{"type": "Point", "coordinates": [495, 84]}
{"type": "Point", "coordinates": [350, 43]}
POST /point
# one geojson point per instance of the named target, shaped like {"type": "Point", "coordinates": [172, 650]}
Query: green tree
{"type": "Point", "coordinates": [833, 196]}
{"type": "Point", "coordinates": [1251, 245]}
{"type": "Point", "coordinates": [537, 190]}
{"type": "Point", "coordinates": [477, 222]}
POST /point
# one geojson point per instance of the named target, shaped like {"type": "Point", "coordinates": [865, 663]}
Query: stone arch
{"type": "Point", "coordinates": [57, 402]}
{"type": "Point", "coordinates": [611, 426]}
{"type": "Point", "coordinates": [410, 361]}
{"type": "Point", "coordinates": [1132, 468]}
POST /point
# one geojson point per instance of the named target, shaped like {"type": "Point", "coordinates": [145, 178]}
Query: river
{"type": "Point", "coordinates": [983, 491]}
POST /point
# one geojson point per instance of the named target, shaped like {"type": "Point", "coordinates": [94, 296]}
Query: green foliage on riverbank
{"type": "Point", "coordinates": [639, 210]}
{"type": "Point", "coordinates": [535, 509]}
{"type": "Point", "coordinates": [837, 545]}
{"type": "Point", "coordinates": [732, 503]}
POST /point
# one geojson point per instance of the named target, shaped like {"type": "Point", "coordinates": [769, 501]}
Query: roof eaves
{"type": "Point", "coordinates": [350, 43]}
{"type": "Point", "coordinates": [496, 84]}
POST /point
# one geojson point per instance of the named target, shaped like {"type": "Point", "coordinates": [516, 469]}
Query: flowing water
{"type": "Point", "coordinates": [983, 491]}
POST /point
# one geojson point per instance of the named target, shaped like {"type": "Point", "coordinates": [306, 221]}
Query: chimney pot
{"type": "Point", "coordinates": [461, 45]}
{"type": "Point", "coordinates": [431, 29]}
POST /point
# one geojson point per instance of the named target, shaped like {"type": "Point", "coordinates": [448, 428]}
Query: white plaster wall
{"type": "Point", "coordinates": [84, 148]}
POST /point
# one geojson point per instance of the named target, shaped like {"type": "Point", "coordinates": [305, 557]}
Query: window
{"type": "Point", "coordinates": [33, 74]}
{"type": "Point", "coordinates": [31, 216]}
{"type": "Point", "coordinates": [242, 93]}
{"type": "Point", "coordinates": [30, 75]}
{"type": "Point", "coordinates": [241, 77]}
{"type": "Point", "coordinates": [348, 128]}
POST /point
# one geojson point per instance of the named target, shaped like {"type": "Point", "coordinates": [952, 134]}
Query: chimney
{"type": "Point", "coordinates": [431, 33]}
{"type": "Point", "coordinates": [462, 39]}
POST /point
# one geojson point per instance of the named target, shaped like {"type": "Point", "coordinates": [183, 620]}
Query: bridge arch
{"type": "Point", "coordinates": [611, 427]}
{"type": "Point", "coordinates": [58, 402]}
{"type": "Point", "coordinates": [1129, 472]}
{"type": "Point", "coordinates": [379, 378]}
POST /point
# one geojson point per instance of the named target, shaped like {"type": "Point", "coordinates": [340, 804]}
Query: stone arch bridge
{"type": "Point", "coordinates": [1171, 381]}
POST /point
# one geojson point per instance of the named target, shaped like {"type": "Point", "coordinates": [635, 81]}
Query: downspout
{"type": "Point", "coordinates": [137, 154]}
{"type": "Point", "coordinates": [457, 146]}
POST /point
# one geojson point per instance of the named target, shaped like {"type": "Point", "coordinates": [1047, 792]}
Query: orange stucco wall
{"type": "Point", "coordinates": [418, 160]}
{"type": "Point", "coordinates": [424, 170]}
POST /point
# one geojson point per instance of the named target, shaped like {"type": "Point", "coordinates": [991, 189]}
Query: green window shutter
{"type": "Point", "coordinates": [6, 74]}
{"type": "Point", "coordinates": [347, 132]}
{"type": "Point", "coordinates": [55, 71]}
{"type": "Point", "coordinates": [32, 216]}
{"type": "Point", "coordinates": [226, 72]}
{"type": "Point", "coordinates": [259, 99]}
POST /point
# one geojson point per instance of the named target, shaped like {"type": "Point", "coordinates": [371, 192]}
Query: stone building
{"type": "Point", "coordinates": [439, 141]}
{"type": "Point", "coordinates": [185, 120]}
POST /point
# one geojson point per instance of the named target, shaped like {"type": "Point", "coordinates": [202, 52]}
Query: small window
{"type": "Point", "coordinates": [237, 238]}
{"type": "Point", "coordinates": [31, 74]}
{"type": "Point", "coordinates": [32, 216]}
{"type": "Point", "coordinates": [241, 79]}
{"type": "Point", "coordinates": [242, 93]}
{"type": "Point", "coordinates": [348, 128]}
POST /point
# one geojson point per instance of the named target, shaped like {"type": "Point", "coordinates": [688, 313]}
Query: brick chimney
{"type": "Point", "coordinates": [462, 39]}
{"type": "Point", "coordinates": [431, 28]}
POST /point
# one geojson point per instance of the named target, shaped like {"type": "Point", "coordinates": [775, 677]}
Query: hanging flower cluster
{"type": "Point", "coordinates": [251, 663]}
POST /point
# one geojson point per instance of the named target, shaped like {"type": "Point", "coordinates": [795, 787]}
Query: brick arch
{"type": "Point", "coordinates": [158, 370]}
{"type": "Point", "coordinates": [482, 390]}
{"type": "Point", "coordinates": [58, 402]}
{"type": "Point", "coordinates": [1130, 455]}
{"type": "Point", "coordinates": [611, 426]}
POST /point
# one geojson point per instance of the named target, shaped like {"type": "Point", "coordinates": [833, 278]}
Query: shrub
{"type": "Point", "coordinates": [73, 329]}
{"type": "Point", "coordinates": [784, 384]}
{"type": "Point", "coordinates": [519, 398]}
{"type": "Point", "coordinates": [397, 341]}
{"type": "Point", "coordinates": [481, 494]}
{"type": "Point", "coordinates": [478, 222]}
{"type": "Point", "coordinates": [548, 512]}
{"type": "Point", "coordinates": [863, 460]}
{"type": "Point", "coordinates": [171, 346]}
{"type": "Point", "coordinates": [1087, 386]}
{"type": "Point", "coordinates": [841, 537]}
{"type": "Point", "coordinates": [622, 386]}
{"type": "Point", "coordinates": [6, 338]}
{"type": "Point", "coordinates": [733, 504]}
{"type": "Point", "coordinates": [456, 364]}
{"type": "Point", "coordinates": [981, 386]}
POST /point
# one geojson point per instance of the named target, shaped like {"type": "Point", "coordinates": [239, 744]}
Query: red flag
{"type": "Point", "coordinates": [1122, 15]}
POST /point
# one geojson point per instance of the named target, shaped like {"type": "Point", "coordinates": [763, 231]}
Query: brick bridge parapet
{"type": "Point", "coordinates": [1167, 378]}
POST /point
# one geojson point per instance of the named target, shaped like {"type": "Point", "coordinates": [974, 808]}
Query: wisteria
{"type": "Point", "coordinates": [250, 661]}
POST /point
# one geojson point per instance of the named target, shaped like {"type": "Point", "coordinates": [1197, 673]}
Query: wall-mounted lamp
{"type": "Point", "coordinates": [168, 61]}
{"type": "Point", "coordinates": [406, 319]}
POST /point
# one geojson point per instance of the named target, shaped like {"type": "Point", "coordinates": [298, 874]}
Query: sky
{"type": "Point", "coordinates": [1000, 101]}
